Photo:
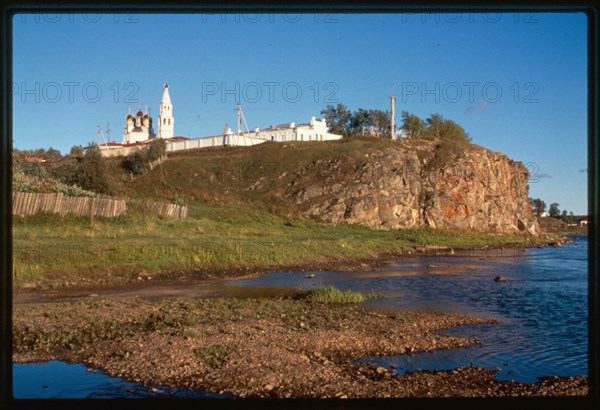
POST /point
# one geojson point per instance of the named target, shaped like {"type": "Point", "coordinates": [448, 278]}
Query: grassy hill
{"type": "Point", "coordinates": [227, 174]}
{"type": "Point", "coordinates": [234, 226]}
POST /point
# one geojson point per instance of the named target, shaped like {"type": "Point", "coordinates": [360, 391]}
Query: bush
{"type": "Point", "coordinates": [33, 169]}
{"type": "Point", "coordinates": [92, 174]}
{"type": "Point", "coordinates": [24, 187]}
{"type": "Point", "coordinates": [66, 172]}
{"type": "Point", "coordinates": [156, 149]}
{"type": "Point", "coordinates": [72, 190]}
{"type": "Point", "coordinates": [135, 163]}
{"type": "Point", "coordinates": [138, 162]}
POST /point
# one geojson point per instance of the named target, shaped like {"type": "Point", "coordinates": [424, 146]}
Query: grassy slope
{"type": "Point", "coordinates": [224, 173]}
{"type": "Point", "coordinates": [227, 227]}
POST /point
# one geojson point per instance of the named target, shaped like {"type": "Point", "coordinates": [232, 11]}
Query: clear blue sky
{"type": "Point", "coordinates": [516, 82]}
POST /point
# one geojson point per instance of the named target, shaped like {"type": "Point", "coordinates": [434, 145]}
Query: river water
{"type": "Point", "coordinates": [542, 307]}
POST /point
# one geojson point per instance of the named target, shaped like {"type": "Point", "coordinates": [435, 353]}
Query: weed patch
{"type": "Point", "coordinates": [213, 356]}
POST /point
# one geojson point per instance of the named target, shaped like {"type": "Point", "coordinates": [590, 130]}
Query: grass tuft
{"type": "Point", "coordinates": [214, 356]}
{"type": "Point", "coordinates": [329, 294]}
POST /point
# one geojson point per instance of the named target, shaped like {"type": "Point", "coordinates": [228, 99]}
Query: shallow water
{"type": "Point", "coordinates": [542, 306]}
{"type": "Point", "coordinates": [56, 379]}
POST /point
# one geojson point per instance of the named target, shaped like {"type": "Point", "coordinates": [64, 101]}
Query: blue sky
{"type": "Point", "coordinates": [515, 82]}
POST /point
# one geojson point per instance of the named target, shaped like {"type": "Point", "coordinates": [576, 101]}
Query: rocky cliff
{"type": "Point", "coordinates": [415, 184]}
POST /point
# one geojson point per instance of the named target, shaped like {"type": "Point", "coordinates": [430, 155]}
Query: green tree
{"type": "Point", "coordinates": [537, 206]}
{"type": "Point", "coordinates": [564, 216]}
{"type": "Point", "coordinates": [92, 172]}
{"type": "Point", "coordinates": [435, 124]}
{"type": "Point", "coordinates": [454, 132]}
{"type": "Point", "coordinates": [375, 123]}
{"type": "Point", "coordinates": [52, 153]}
{"type": "Point", "coordinates": [553, 211]}
{"type": "Point", "coordinates": [361, 121]}
{"type": "Point", "coordinates": [439, 127]}
{"type": "Point", "coordinates": [381, 123]}
{"type": "Point", "coordinates": [413, 126]}
{"type": "Point", "coordinates": [76, 150]}
{"type": "Point", "coordinates": [339, 119]}
{"type": "Point", "coordinates": [87, 171]}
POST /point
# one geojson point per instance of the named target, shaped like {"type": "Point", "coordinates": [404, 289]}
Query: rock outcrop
{"type": "Point", "coordinates": [416, 184]}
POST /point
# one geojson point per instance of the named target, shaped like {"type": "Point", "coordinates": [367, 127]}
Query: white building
{"type": "Point", "coordinates": [315, 130]}
{"type": "Point", "coordinates": [138, 128]}
{"type": "Point", "coordinates": [166, 122]}
{"type": "Point", "coordinates": [139, 131]}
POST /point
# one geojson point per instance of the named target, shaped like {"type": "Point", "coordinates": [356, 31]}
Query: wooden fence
{"type": "Point", "coordinates": [170, 210]}
{"type": "Point", "coordinates": [28, 203]}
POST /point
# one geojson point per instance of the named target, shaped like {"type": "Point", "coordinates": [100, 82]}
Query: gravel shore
{"type": "Point", "coordinates": [261, 347]}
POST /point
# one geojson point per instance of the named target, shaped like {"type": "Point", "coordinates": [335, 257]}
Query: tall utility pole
{"type": "Point", "coordinates": [393, 114]}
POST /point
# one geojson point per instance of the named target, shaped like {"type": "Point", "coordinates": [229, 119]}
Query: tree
{"type": "Point", "coordinates": [454, 132]}
{"type": "Point", "coordinates": [553, 211]}
{"type": "Point", "coordinates": [439, 127]}
{"type": "Point", "coordinates": [52, 154]}
{"type": "Point", "coordinates": [370, 122]}
{"type": "Point", "coordinates": [339, 119]}
{"type": "Point", "coordinates": [76, 150]}
{"type": "Point", "coordinates": [92, 173]}
{"type": "Point", "coordinates": [435, 124]}
{"type": "Point", "coordinates": [361, 121]}
{"type": "Point", "coordinates": [87, 171]}
{"type": "Point", "coordinates": [413, 126]}
{"type": "Point", "coordinates": [564, 216]}
{"type": "Point", "coordinates": [381, 123]}
{"type": "Point", "coordinates": [537, 206]}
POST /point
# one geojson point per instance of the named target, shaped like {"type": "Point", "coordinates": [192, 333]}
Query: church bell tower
{"type": "Point", "coordinates": [166, 122]}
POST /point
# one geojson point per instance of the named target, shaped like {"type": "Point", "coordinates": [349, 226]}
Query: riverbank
{"type": "Point", "coordinates": [259, 347]}
{"type": "Point", "coordinates": [216, 241]}
{"type": "Point", "coordinates": [209, 281]}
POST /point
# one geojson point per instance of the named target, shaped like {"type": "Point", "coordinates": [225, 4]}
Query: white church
{"type": "Point", "coordinates": [139, 131]}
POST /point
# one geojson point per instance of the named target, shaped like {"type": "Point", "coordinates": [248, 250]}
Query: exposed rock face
{"type": "Point", "coordinates": [427, 184]}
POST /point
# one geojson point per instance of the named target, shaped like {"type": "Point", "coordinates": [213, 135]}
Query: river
{"type": "Point", "coordinates": [541, 306]}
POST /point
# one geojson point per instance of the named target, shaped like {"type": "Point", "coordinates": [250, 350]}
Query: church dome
{"type": "Point", "coordinates": [146, 116]}
{"type": "Point", "coordinates": [139, 114]}
{"type": "Point", "coordinates": [129, 116]}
